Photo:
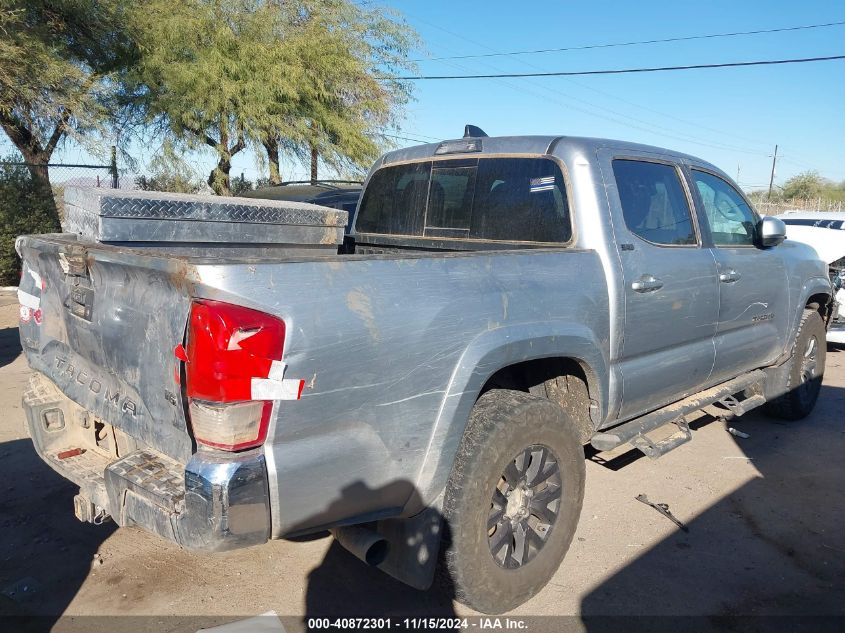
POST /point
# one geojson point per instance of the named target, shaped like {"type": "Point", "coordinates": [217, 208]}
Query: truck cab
{"type": "Point", "coordinates": [506, 301]}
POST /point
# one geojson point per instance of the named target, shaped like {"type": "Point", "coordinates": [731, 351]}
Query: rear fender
{"type": "Point", "coordinates": [487, 354]}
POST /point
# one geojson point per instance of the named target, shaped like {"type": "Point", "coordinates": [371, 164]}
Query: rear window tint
{"type": "Point", "coordinates": [653, 202]}
{"type": "Point", "coordinates": [503, 199]}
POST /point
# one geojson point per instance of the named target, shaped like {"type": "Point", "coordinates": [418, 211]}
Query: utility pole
{"type": "Point", "coordinates": [772, 178]}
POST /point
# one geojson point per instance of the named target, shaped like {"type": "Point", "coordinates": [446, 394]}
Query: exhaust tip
{"type": "Point", "coordinates": [366, 544]}
{"type": "Point", "coordinates": [376, 554]}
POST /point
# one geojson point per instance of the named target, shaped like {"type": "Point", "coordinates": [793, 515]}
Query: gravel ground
{"type": "Point", "coordinates": [766, 519]}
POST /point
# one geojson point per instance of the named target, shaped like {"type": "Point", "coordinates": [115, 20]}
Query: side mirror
{"type": "Point", "coordinates": [772, 231]}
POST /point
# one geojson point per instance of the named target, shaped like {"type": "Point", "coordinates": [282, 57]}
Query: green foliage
{"type": "Point", "coordinates": [348, 50]}
{"type": "Point", "coordinates": [805, 185]}
{"type": "Point", "coordinates": [204, 73]}
{"type": "Point", "coordinates": [173, 182]}
{"type": "Point", "coordinates": [804, 191]}
{"type": "Point", "coordinates": [25, 208]}
{"type": "Point", "coordinates": [170, 172]}
{"type": "Point", "coordinates": [241, 185]}
{"type": "Point", "coordinates": [61, 61]}
{"type": "Point", "coordinates": [228, 74]}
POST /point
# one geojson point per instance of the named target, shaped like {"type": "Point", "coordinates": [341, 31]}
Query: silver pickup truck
{"type": "Point", "coordinates": [427, 397]}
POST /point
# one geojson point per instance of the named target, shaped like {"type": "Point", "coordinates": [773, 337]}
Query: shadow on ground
{"type": "Point", "coordinates": [773, 547]}
{"type": "Point", "coordinates": [37, 524]}
{"type": "Point", "coordinates": [342, 586]}
{"type": "Point", "coordinates": [10, 345]}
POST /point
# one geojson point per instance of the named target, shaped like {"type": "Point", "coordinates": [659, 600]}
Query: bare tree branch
{"type": "Point", "coordinates": [58, 132]}
{"type": "Point", "coordinates": [20, 135]}
{"type": "Point", "coordinates": [237, 146]}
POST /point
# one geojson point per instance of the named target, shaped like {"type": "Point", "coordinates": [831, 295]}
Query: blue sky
{"type": "Point", "coordinates": [731, 117]}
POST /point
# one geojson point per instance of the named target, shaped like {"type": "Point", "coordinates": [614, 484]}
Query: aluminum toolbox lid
{"type": "Point", "coordinates": [154, 205]}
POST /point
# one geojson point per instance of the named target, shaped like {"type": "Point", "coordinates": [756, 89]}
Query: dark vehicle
{"type": "Point", "coordinates": [337, 194]}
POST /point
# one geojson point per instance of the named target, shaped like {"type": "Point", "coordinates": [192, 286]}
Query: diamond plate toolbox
{"type": "Point", "coordinates": [116, 216]}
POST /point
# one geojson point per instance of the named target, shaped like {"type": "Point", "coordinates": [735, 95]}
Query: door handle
{"type": "Point", "coordinates": [647, 283]}
{"type": "Point", "coordinates": [729, 276]}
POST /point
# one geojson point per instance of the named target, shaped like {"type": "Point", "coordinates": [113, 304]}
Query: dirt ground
{"type": "Point", "coordinates": [766, 519]}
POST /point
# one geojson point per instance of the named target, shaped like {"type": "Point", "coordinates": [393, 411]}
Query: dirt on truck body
{"type": "Point", "coordinates": [507, 301]}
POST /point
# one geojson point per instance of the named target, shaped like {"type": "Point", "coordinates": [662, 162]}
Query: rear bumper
{"type": "Point", "coordinates": [215, 502]}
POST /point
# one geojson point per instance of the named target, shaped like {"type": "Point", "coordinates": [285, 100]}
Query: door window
{"type": "Point", "coordinates": [732, 221]}
{"type": "Point", "coordinates": [653, 201]}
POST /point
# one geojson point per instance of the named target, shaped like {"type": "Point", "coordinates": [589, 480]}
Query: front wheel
{"type": "Point", "coordinates": [806, 371]}
{"type": "Point", "coordinates": [513, 500]}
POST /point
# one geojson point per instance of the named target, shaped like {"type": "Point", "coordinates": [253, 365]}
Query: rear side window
{"type": "Point", "coordinates": [393, 199]}
{"type": "Point", "coordinates": [653, 202]}
{"type": "Point", "coordinates": [505, 199]}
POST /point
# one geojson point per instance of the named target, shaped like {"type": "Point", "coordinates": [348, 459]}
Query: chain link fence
{"type": "Point", "coordinates": [32, 201]}
{"type": "Point", "coordinates": [80, 175]}
{"type": "Point", "coordinates": [776, 207]}
{"type": "Point", "coordinates": [61, 175]}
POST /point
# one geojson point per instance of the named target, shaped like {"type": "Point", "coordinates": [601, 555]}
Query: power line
{"type": "Point", "coordinates": [593, 107]}
{"type": "Point", "coordinates": [622, 71]}
{"type": "Point", "coordinates": [636, 43]}
{"type": "Point", "coordinates": [408, 138]}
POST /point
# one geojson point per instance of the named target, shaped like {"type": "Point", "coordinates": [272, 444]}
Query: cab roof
{"type": "Point", "coordinates": [542, 145]}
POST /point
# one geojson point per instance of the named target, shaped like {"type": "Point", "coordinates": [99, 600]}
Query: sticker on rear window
{"type": "Point", "coordinates": [546, 183]}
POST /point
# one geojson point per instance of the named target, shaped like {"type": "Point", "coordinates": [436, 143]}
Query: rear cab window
{"type": "Point", "coordinates": [509, 199]}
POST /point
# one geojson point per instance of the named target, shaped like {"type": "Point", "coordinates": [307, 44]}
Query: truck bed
{"type": "Point", "coordinates": [383, 343]}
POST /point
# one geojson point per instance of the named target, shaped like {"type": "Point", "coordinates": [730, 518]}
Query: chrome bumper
{"type": "Point", "coordinates": [217, 501]}
{"type": "Point", "coordinates": [227, 502]}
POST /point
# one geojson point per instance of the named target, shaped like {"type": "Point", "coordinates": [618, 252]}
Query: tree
{"type": "Point", "coordinates": [208, 70]}
{"type": "Point", "coordinates": [25, 207]}
{"type": "Point", "coordinates": [228, 74]}
{"type": "Point", "coordinates": [169, 172]}
{"type": "Point", "coordinates": [351, 52]}
{"type": "Point", "coordinates": [242, 185]}
{"type": "Point", "coordinates": [61, 60]}
{"type": "Point", "coordinates": [805, 185]}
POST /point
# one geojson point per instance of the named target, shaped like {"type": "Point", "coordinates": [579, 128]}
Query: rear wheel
{"type": "Point", "coordinates": [513, 500]}
{"type": "Point", "coordinates": [806, 371]}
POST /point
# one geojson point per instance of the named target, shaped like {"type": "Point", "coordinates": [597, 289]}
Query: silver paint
{"type": "Point", "coordinates": [394, 349]}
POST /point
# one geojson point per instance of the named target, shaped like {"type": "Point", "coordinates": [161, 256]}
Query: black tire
{"type": "Point", "coordinates": [806, 371]}
{"type": "Point", "coordinates": [531, 440]}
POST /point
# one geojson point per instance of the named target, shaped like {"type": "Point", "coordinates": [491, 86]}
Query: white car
{"type": "Point", "coordinates": [825, 232]}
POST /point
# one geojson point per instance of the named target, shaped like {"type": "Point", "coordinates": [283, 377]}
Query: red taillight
{"type": "Point", "coordinates": [229, 348]}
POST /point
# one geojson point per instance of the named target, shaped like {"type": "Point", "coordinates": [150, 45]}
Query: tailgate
{"type": "Point", "coordinates": [102, 324]}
